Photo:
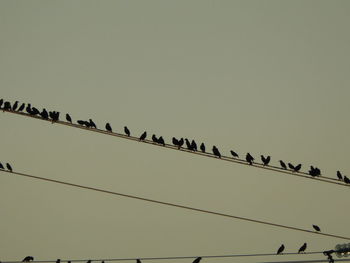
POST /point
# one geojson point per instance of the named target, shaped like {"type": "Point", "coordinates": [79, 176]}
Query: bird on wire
{"type": "Point", "coordinates": [9, 167]}
{"type": "Point", "coordinates": [161, 141]}
{"type": "Point", "coordinates": [249, 158]}
{"type": "Point", "coordinates": [143, 136]}
{"type": "Point", "coordinates": [127, 131]}
{"type": "Point", "coordinates": [202, 147]}
{"type": "Point", "coordinates": [1, 166]}
{"type": "Point", "coordinates": [175, 141]}
{"type": "Point", "coordinates": [92, 124]}
{"type": "Point", "coordinates": [197, 260]}
{"type": "Point", "coordinates": [138, 261]}
{"type": "Point", "coordinates": [265, 160]}
{"type": "Point", "coordinates": [346, 179]}
{"type": "Point", "coordinates": [234, 154]}
{"type": "Point", "coordinates": [194, 145]}
{"type": "Point", "coordinates": [283, 165]}
{"type": "Point", "coordinates": [340, 176]}
{"type": "Point", "coordinates": [15, 105]}
{"type": "Point", "coordinates": [68, 118]}
{"type": "Point", "coordinates": [216, 151]}
{"type": "Point", "coordinates": [154, 138]}
{"type": "Point", "coordinates": [28, 259]}
{"type": "Point", "coordinates": [181, 142]}
{"type": "Point", "coordinates": [21, 108]}
{"type": "Point", "coordinates": [108, 127]}
{"type": "Point", "coordinates": [302, 248]}
{"type": "Point", "coordinates": [280, 250]}
{"type": "Point", "coordinates": [317, 228]}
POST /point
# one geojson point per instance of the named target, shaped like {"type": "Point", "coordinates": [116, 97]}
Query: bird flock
{"type": "Point", "coordinates": [190, 145]}
{"type": "Point", "coordinates": [30, 259]}
{"type": "Point", "coordinates": [8, 166]}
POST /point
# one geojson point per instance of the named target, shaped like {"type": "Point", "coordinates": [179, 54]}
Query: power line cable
{"type": "Point", "coordinates": [170, 146]}
{"type": "Point", "coordinates": [177, 205]}
{"type": "Point", "coordinates": [171, 258]}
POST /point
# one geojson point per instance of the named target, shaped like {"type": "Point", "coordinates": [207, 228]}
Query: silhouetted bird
{"type": "Point", "coordinates": [92, 124]}
{"type": "Point", "coordinates": [302, 248]}
{"type": "Point", "coordinates": [291, 166]}
{"type": "Point", "coordinates": [68, 118]}
{"type": "Point", "coordinates": [27, 259]}
{"type": "Point", "coordinates": [126, 130]}
{"type": "Point", "coordinates": [297, 168]}
{"type": "Point", "coordinates": [265, 160]}
{"type": "Point", "coordinates": [89, 261]}
{"type": "Point", "coordinates": [108, 127]}
{"type": "Point", "coordinates": [44, 114]}
{"type": "Point", "coordinates": [234, 154]}
{"type": "Point", "coordinates": [317, 228]}
{"type": "Point", "coordinates": [1, 102]}
{"type": "Point", "coordinates": [161, 141]}
{"type": "Point", "coordinates": [202, 147]}
{"type": "Point", "coordinates": [81, 122]}
{"type": "Point", "coordinates": [56, 116]}
{"type": "Point", "coordinates": [314, 171]}
{"type": "Point", "coordinates": [188, 144]}
{"type": "Point", "coordinates": [175, 141]}
{"type": "Point", "coordinates": [9, 167]}
{"type": "Point", "coordinates": [216, 151]}
{"type": "Point", "coordinates": [138, 261]}
{"type": "Point", "coordinates": [280, 250]}
{"type": "Point", "coordinates": [249, 158]}
{"type": "Point", "coordinates": [58, 260]}
{"type": "Point", "coordinates": [15, 105]}
{"type": "Point", "coordinates": [194, 146]}
{"type": "Point", "coordinates": [21, 108]}
{"type": "Point", "coordinates": [143, 136]}
{"type": "Point", "coordinates": [346, 179]}
{"type": "Point", "coordinates": [339, 175]}
{"type": "Point", "coordinates": [283, 165]}
{"type": "Point", "coordinates": [197, 260]}
{"type": "Point", "coordinates": [7, 105]}
{"type": "Point", "coordinates": [28, 108]}
{"type": "Point", "coordinates": [154, 138]}
{"type": "Point", "coordinates": [1, 166]}
{"type": "Point", "coordinates": [34, 111]}
{"type": "Point", "coordinates": [181, 142]}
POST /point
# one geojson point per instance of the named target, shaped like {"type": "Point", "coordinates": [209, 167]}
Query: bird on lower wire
{"type": "Point", "coordinates": [265, 160]}
{"type": "Point", "coordinates": [249, 158]}
{"type": "Point", "coordinates": [58, 260]}
{"type": "Point", "coordinates": [202, 147]}
{"type": "Point", "coordinates": [339, 175]}
{"type": "Point", "coordinates": [317, 228]}
{"type": "Point", "coordinates": [283, 165]}
{"type": "Point", "coordinates": [92, 124]}
{"type": "Point", "coordinates": [194, 145]}
{"type": "Point", "coordinates": [108, 127]}
{"type": "Point", "coordinates": [302, 248]}
{"type": "Point", "coordinates": [346, 180]}
{"type": "Point", "coordinates": [188, 144]}
{"type": "Point", "coordinates": [21, 108]}
{"type": "Point", "coordinates": [143, 136]}
{"type": "Point", "coordinates": [197, 260]}
{"type": "Point", "coordinates": [234, 154]}
{"type": "Point", "coordinates": [280, 250]}
{"type": "Point", "coordinates": [44, 114]}
{"type": "Point", "coordinates": [138, 261]}
{"type": "Point", "coordinates": [27, 259]}
{"type": "Point", "coordinates": [154, 138]}
{"type": "Point", "coordinates": [127, 131]}
{"type": "Point", "coordinates": [181, 142]}
{"type": "Point", "coordinates": [161, 141]}
{"type": "Point", "coordinates": [1, 166]}
{"type": "Point", "coordinates": [175, 141]}
{"type": "Point", "coordinates": [15, 105]}
{"type": "Point", "coordinates": [68, 118]}
{"type": "Point", "coordinates": [9, 167]}
{"type": "Point", "coordinates": [216, 151]}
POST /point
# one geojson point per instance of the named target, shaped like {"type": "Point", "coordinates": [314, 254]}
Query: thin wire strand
{"type": "Point", "coordinates": [170, 146]}
{"type": "Point", "coordinates": [171, 258]}
{"type": "Point", "coordinates": [178, 206]}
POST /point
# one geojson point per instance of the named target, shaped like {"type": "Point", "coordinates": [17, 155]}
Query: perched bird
{"type": "Point", "coordinates": [346, 179]}
{"type": "Point", "coordinates": [181, 142]}
{"type": "Point", "coordinates": [265, 160]}
{"type": "Point", "coordinates": [297, 168]}
{"type": "Point", "coordinates": [1, 166]}
{"type": "Point", "coordinates": [21, 108]}
{"type": "Point", "coordinates": [44, 114]}
{"type": "Point", "coordinates": [81, 122]}
{"type": "Point", "coordinates": [55, 116]}
{"type": "Point", "coordinates": [1, 102]}
{"type": "Point", "coordinates": [15, 105]}
{"type": "Point", "coordinates": [9, 167]}
{"type": "Point", "coordinates": [7, 105]}
{"type": "Point", "coordinates": [89, 261]}
{"type": "Point", "coordinates": [197, 260]}
{"type": "Point", "coordinates": [283, 165]}
{"type": "Point", "coordinates": [68, 118]}
{"type": "Point", "coordinates": [339, 175]}
{"type": "Point", "coordinates": [202, 147]}
{"type": "Point", "coordinates": [317, 228]}
{"type": "Point", "coordinates": [175, 141]}
{"type": "Point", "coordinates": [216, 151]}
{"type": "Point", "coordinates": [126, 130]}
{"type": "Point", "coordinates": [27, 259]}
{"type": "Point", "coordinates": [280, 250]}
{"type": "Point", "coordinates": [234, 154]}
{"type": "Point", "coordinates": [92, 124]}
{"type": "Point", "coordinates": [58, 260]}
{"type": "Point", "coordinates": [249, 158]}
{"type": "Point", "coordinates": [138, 261]}
{"type": "Point", "coordinates": [302, 248]}
{"type": "Point", "coordinates": [28, 108]}
{"type": "Point", "coordinates": [143, 136]}
{"type": "Point", "coordinates": [194, 145]}
{"type": "Point", "coordinates": [188, 144]}
{"type": "Point", "coordinates": [108, 127]}
{"type": "Point", "coordinates": [291, 166]}
{"type": "Point", "coordinates": [314, 171]}
{"type": "Point", "coordinates": [34, 111]}
{"type": "Point", "coordinates": [161, 141]}
{"type": "Point", "coordinates": [154, 138]}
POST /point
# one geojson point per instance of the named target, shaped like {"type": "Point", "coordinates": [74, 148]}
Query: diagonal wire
{"type": "Point", "coordinates": [177, 205]}
{"type": "Point", "coordinates": [170, 146]}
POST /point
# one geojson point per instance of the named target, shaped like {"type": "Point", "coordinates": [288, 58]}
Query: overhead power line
{"type": "Point", "coordinates": [178, 205]}
{"type": "Point", "coordinates": [170, 257]}
{"type": "Point", "coordinates": [207, 154]}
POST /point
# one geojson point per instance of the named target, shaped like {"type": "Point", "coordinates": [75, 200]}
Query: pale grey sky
{"type": "Point", "coordinates": [268, 77]}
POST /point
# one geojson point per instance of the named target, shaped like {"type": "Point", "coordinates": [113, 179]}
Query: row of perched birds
{"type": "Point", "coordinates": [179, 143]}
{"type": "Point", "coordinates": [8, 166]}
{"type": "Point", "coordinates": [30, 258]}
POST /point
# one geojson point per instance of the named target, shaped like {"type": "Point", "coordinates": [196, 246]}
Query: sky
{"type": "Point", "coordinates": [266, 77]}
